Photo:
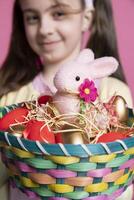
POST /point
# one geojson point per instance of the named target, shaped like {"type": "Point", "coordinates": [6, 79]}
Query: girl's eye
{"type": "Point", "coordinates": [33, 19]}
{"type": "Point", "coordinates": [59, 15]}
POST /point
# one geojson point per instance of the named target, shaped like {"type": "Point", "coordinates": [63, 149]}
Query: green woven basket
{"type": "Point", "coordinates": [61, 172]}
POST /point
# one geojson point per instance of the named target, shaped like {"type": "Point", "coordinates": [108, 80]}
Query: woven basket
{"type": "Point", "coordinates": [57, 171]}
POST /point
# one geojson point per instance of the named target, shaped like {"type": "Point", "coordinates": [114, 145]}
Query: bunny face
{"type": "Point", "coordinates": [71, 75]}
{"type": "Point", "coordinates": [69, 78]}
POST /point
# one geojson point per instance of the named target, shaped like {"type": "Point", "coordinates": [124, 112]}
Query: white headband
{"type": "Point", "coordinates": [89, 3]}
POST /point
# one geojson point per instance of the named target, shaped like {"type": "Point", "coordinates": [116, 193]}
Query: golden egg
{"type": "Point", "coordinates": [72, 138]}
{"type": "Point", "coordinates": [121, 109]}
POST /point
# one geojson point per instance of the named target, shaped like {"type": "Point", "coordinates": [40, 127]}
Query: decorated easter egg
{"type": "Point", "coordinates": [12, 117]}
{"type": "Point", "coordinates": [35, 130]}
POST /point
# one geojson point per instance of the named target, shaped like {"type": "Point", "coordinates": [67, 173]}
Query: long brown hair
{"type": "Point", "coordinates": [20, 66]}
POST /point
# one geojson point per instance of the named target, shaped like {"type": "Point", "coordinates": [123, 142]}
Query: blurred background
{"type": "Point", "coordinates": [124, 21]}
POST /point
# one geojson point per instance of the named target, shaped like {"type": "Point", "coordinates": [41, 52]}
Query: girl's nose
{"type": "Point", "coordinates": [46, 26]}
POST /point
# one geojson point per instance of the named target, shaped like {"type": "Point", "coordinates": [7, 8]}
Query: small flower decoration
{"type": "Point", "coordinates": [88, 91]}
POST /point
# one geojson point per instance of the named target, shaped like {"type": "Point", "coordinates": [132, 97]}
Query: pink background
{"type": "Point", "coordinates": [124, 20]}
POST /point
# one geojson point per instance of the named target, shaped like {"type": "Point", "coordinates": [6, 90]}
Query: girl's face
{"type": "Point", "coordinates": [54, 30]}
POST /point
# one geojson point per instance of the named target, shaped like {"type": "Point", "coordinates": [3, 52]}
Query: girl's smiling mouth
{"type": "Point", "coordinates": [49, 45]}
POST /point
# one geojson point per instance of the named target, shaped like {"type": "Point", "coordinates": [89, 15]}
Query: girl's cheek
{"type": "Point", "coordinates": [30, 31]}
{"type": "Point", "coordinates": [65, 27]}
{"type": "Point", "coordinates": [30, 38]}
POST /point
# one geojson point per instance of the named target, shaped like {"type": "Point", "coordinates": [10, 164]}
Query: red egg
{"type": "Point", "coordinates": [35, 131]}
{"type": "Point", "coordinates": [58, 138]}
{"type": "Point", "coordinates": [112, 136]}
{"type": "Point", "coordinates": [44, 99]}
{"type": "Point", "coordinates": [12, 117]}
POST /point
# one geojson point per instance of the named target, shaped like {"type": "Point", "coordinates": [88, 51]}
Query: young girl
{"type": "Point", "coordinates": [46, 34]}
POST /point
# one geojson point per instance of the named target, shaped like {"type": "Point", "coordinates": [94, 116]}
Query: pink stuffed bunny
{"type": "Point", "coordinates": [68, 81]}
{"type": "Point", "coordinates": [71, 75]}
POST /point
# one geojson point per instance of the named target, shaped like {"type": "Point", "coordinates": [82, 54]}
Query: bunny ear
{"type": "Point", "coordinates": [85, 56]}
{"type": "Point", "coordinates": [103, 67]}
